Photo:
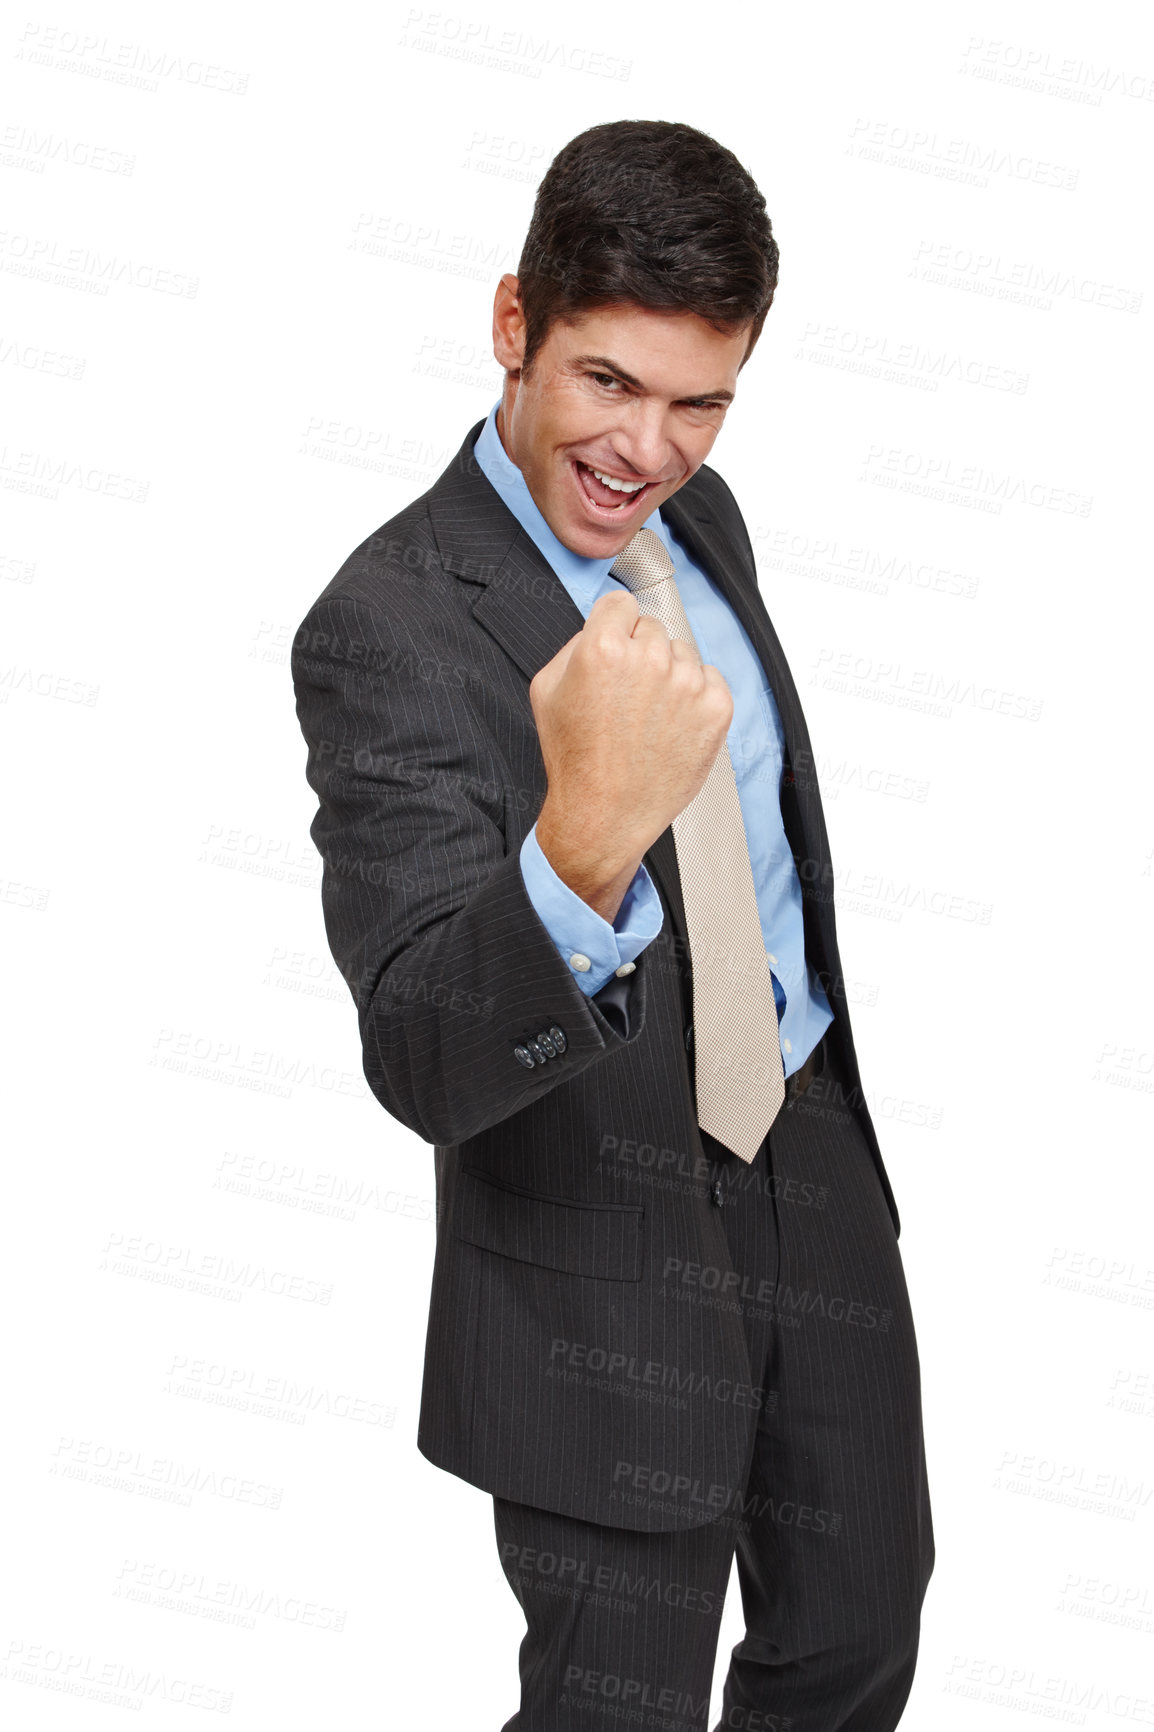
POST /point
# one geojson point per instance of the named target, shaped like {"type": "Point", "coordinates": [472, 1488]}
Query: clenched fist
{"type": "Point", "coordinates": [630, 722]}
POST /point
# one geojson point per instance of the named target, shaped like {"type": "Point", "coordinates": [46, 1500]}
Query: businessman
{"type": "Point", "coordinates": [577, 878]}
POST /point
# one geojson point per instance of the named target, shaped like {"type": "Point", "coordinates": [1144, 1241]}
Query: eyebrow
{"type": "Point", "coordinates": [607, 365]}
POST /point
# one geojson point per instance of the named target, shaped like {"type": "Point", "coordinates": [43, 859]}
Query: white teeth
{"type": "Point", "coordinates": [619, 486]}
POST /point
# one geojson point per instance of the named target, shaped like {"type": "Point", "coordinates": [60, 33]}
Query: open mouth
{"type": "Point", "coordinates": [609, 496]}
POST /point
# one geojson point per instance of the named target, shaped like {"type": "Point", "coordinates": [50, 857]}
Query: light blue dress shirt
{"type": "Point", "coordinates": [596, 950]}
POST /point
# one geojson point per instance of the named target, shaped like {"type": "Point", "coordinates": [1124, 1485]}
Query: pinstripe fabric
{"type": "Point", "coordinates": [412, 674]}
{"type": "Point", "coordinates": [832, 1524]}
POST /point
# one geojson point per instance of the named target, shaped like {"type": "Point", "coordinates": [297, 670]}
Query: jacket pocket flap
{"type": "Point", "coordinates": [577, 1238]}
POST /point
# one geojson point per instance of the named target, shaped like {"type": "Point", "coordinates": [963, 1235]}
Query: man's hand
{"type": "Point", "coordinates": [630, 722]}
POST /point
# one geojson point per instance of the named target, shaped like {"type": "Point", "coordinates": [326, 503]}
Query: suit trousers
{"type": "Point", "coordinates": [832, 1528]}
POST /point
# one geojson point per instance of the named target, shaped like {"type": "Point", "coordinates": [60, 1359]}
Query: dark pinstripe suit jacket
{"type": "Point", "coordinates": [563, 1186]}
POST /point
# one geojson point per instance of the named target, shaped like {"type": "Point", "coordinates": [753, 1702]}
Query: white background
{"type": "Point", "coordinates": [247, 265]}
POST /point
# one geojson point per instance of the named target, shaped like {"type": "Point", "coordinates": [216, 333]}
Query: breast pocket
{"type": "Point", "coordinates": [598, 1239]}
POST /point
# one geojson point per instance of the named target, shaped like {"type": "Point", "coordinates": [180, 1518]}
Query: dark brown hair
{"type": "Point", "coordinates": [649, 213]}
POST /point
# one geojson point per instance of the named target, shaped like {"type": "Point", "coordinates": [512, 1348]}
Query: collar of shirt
{"type": "Point", "coordinates": [581, 576]}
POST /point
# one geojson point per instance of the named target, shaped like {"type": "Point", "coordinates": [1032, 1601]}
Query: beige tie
{"type": "Point", "coordinates": [740, 1079]}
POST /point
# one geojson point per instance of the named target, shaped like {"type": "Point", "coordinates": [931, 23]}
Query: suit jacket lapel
{"type": "Point", "coordinates": [521, 602]}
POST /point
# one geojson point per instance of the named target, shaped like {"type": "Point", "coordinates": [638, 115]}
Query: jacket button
{"type": "Point", "coordinates": [538, 1051]}
{"type": "Point", "coordinates": [545, 1039]}
{"type": "Point", "coordinates": [524, 1056]}
{"type": "Point", "coordinates": [557, 1034]}
{"type": "Point", "coordinates": [715, 1192]}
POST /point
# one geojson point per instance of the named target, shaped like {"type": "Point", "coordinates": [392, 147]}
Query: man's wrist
{"type": "Point", "coordinates": [599, 878]}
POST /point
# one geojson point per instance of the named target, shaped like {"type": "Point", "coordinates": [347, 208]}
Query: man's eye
{"type": "Point", "coordinates": [605, 379]}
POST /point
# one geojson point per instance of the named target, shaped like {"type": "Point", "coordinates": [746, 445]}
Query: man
{"type": "Point", "coordinates": [578, 880]}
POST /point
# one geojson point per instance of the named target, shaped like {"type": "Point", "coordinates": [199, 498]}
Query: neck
{"type": "Point", "coordinates": [504, 410]}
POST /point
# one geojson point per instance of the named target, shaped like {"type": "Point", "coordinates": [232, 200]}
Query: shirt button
{"type": "Point", "coordinates": [626, 968]}
{"type": "Point", "coordinates": [788, 1045]}
{"type": "Point", "coordinates": [581, 963]}
{"type": "Point", "coordinates": [772, 958]}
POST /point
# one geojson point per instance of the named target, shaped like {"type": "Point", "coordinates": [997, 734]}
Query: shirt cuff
{"type": "Point", "coordinates": [582, 936]}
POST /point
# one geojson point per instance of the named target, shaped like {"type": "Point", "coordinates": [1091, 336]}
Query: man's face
{"type": "Point", "coordinates": [632, 395]}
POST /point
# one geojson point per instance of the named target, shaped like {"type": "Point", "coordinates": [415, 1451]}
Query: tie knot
{"type": "Point", "coordinates": [642, 562]}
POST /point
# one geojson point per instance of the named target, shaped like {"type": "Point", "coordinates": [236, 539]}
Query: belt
{"type": "Point", "coordinates": [799, 1080]}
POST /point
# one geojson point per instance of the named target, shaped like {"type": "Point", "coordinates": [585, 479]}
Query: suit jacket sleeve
{"type": "Point", "coordinates": [425, 905]}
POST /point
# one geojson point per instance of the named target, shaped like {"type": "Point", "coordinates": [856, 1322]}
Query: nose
{"type": "Point", "coordinates": [641, 438]}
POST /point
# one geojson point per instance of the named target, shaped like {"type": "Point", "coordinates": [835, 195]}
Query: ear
{"type": "Point", "coordinates": [508, 326]}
